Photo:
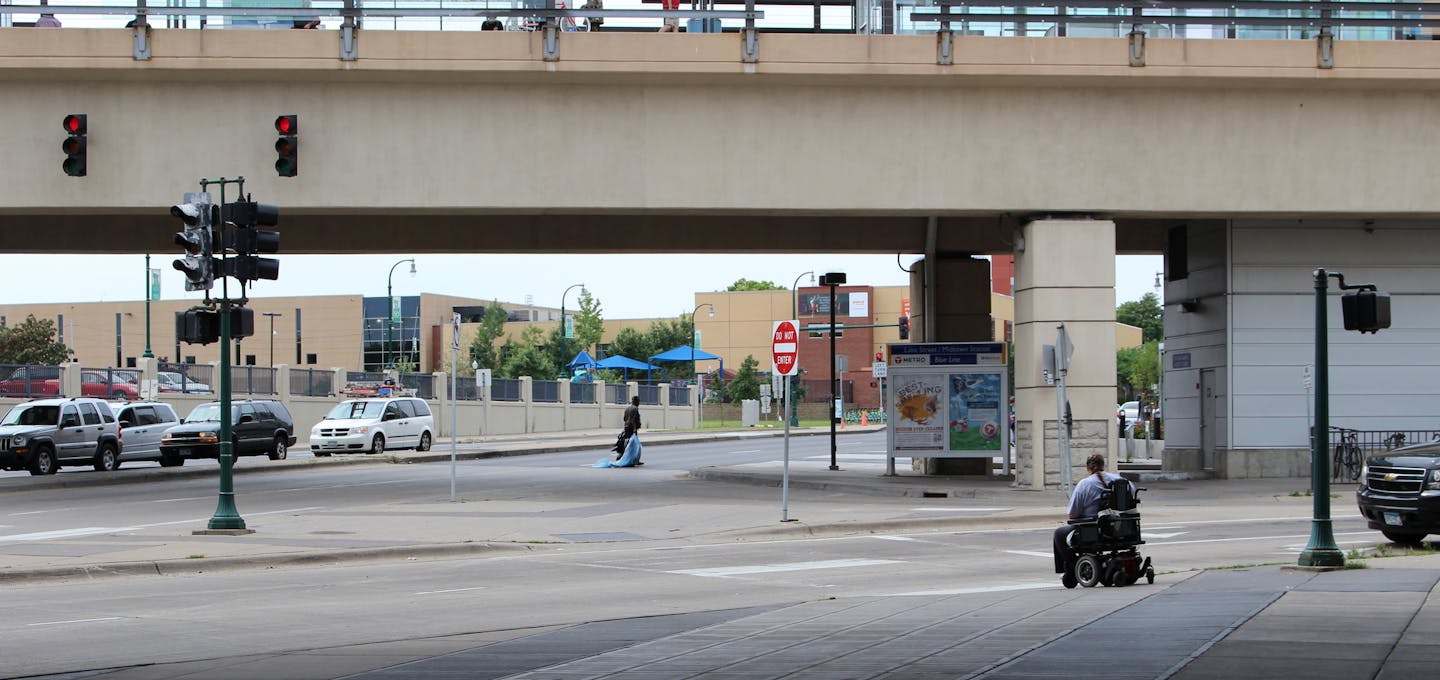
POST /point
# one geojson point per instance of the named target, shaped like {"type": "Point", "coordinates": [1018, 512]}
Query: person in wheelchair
{"type": "Point", "coordinates": [1097, 544]}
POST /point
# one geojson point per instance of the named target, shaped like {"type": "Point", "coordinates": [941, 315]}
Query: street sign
{"type": "Point", "coordinates": [784, 347]}
{"type": "Point", "coordinates": [454, 331]}
{"type": "Point", "coordinates": [482, 377]}
{"type": "Point", "coordinates": [879, 369]}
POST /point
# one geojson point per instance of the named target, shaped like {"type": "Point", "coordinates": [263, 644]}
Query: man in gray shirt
{"type": "Point", "coordinates": [1084, 505]}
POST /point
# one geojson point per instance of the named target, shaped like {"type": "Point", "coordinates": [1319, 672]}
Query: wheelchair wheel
{"type": "Point", "coordinates": [1067, 579]}
{"type": "Point", "coordinates": [1087, 571]}
{"type": "Point", "coordinates": [1150, 576]}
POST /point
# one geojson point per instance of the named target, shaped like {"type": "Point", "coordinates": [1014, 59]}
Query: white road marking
{"type": "Point", "coordinates": [960, 509]}
{"type": "Point", "coordinates": [62, 533]}
{"type": "Point", "coordinates": [1031, 553]}
{"type": "Point", "coordinates": [61, 623]}
{"type": "Point", "coordinates": [968, 591]}
{"type": "Point", "coordinates": [37, 512]}
{"type": "Point", "coordinates": [1244, 538]}
{"type": "Point", "coordinates": [1151, 534]}
{"type": "Point", "coordinates": [772, 568]}
{"type": "Point", "coordinates": [95, 531]}
{"type": "Point", "coordinates": [452, 590]}
{"type": "Point", "coordinates": [178, 500]}
{"type": "Point", "coordinates": [748, 451]}
{"type": "Point", "coordinates": [896, 538]}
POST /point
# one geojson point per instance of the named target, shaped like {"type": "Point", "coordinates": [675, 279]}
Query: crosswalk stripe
{"type": "Point", "coordinates": [772, 568]}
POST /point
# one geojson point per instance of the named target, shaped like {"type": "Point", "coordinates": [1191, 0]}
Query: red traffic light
{"type": "Point", "coordinates": [74, 124]}
{"type": "Point", "coordinates": [287, 125]}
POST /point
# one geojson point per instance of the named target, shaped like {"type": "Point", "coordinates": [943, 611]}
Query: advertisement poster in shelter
{"type": "Point", "coordinates": [975, 411]}
{"type": "Point", "coordinates": [920, 423]}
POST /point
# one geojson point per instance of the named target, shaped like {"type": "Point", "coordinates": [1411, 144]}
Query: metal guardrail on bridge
{"type": "Point", "coordinates": [1268, 19]}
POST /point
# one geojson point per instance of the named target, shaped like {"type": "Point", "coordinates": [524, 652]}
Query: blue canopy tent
{"type": "Point", "coordinates": [687, 353]}
{"type": "Point", "coordinates": [584, 362]}
{"type": "Point", "coordinates": [624, 364]}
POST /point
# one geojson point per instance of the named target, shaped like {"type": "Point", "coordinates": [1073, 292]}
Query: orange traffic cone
{"type": "Point", "coordinates": [863, 419]}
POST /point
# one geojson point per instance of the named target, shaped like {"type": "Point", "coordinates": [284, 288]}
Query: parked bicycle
{"type": "Point", "coordinates": [1345, 466]}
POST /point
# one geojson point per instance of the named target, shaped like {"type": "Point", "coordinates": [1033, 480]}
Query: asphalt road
{"type": "Point", "coordinates": [636, 571]}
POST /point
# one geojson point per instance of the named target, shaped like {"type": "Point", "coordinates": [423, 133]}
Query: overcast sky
{"type": "Point", "coordinates": [628, 286]}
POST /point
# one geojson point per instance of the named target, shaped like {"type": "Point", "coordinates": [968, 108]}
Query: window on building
{"type": "Point", "coordinates": [312, 359]}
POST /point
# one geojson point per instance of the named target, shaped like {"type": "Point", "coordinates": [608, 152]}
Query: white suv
{"type": "Point", "coordinates": [373, 425]}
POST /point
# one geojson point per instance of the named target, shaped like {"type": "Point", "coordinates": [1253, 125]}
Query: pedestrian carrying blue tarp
{"type": "Point", "coordinates": [629, 459]}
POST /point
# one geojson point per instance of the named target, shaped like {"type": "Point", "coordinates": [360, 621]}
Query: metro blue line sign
{"type": "Point", "coordinates": [948, 354]}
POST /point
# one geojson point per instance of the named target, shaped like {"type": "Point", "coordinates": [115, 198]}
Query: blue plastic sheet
{"type": "Point", "coordinates": [629, 459]}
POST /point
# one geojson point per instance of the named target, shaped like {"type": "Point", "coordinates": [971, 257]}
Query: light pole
{"type": "Point", "coordinates": [795, 314]}
{"type": "Point", "coordinates": [693, 376]}
{"type": "Point", "coordinates": [390, 311]}
{"type": "Point", "coordinates": [149, 294]}
{"type": "Point", "coordinates": [831, 280]}
{"type": "Point", "coordinates": [272, 316]}
{"type": "Point", "coordinates": [565, 340]}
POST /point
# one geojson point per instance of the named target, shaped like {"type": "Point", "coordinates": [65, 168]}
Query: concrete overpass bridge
{"type": "Point", "coordinates": [1221, 153]}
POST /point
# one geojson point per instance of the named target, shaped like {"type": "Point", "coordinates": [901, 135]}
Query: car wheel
{"type": "Point", "coordinates": [1087, 571]}
{"type": "Point", "coordinates": [44, 462]}
{"type": "Point", "coordinates": [378, 445]}
{"type": "Point", "coordinates": [279, 451]}
{"type": "Point", "coordinates": [107, 459]}
{"type": "Point", "coordinates": [424, 444]}
{"type": "Point", "coordinates": [1404, 537]}
{"type": "Point", "coordinates": [171, 460]}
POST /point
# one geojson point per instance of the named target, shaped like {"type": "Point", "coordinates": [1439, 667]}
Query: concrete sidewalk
{"type": "Point", "coordinates": [1264, 622]}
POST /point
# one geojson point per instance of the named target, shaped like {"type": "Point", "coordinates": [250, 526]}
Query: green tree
{"type": "Point", "coordinates": [746, 383]}
{"type": "Point", "coordinates": [32, 342]}
{"type": "Point", "coordinates": [1136, 370]}
{"type": "Point", "coordinates": [1144, 314]}
{"type": "Point", "coordinates": [589, 323]}
{"type": "Point", "coordinates": [528, 356]}
{"type": "Point", "coordinates": [747, 284]}
{"type": "Point", "coordinates": [631, 343]}
{"type": "Point", "coordinates": [492, 326]}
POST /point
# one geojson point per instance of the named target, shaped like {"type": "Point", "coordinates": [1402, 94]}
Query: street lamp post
{"type": "Point", "coordinates": [564, 340]}
{"type": "Point", "coordinates": [148, 295]}
{"type": "Point", "coordinates": [390, 310]}
{"type": "Point", "coordinates": [795, 314]}
{"type": "Point", "coordinates": [831, 280]}
{"type": "Point", "coordinates": [272, 316]}
{"type": "Point", "coordinates": [693, 376]}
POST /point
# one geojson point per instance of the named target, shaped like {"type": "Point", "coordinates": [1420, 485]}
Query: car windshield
{"type": "Point", "coordinates": [32, 415]}
{"type": "Point", "coordinates": [356, 410]}
{"type": "Point", "coordinates": [204, 413]}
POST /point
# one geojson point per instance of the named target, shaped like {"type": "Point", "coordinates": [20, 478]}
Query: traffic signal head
{"type": "Point", "coordinates": [287, 146]}
{"type": "Point", "coordinates": [197, 215]}
{"type": "Point", "coordinates": [904, 328]}
{"type": "Point", "coordinates": [245, 240]}
{"type": "Point", "coordinates": [75, 144]}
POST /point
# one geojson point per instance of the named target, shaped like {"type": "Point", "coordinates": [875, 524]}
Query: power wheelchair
{"type": "Point", "coordinates": [1105, 546]}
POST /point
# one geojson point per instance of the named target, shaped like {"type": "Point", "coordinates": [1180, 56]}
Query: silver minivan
{"type": "Point", "coordinates": [141, 425]}
{"type": "Point", "coordinates": [373, 425]}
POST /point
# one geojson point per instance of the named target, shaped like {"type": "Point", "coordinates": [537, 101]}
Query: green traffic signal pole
{"type": "Point", "coordinates": [227, 517]}
{"type": "Point", "coordinates": [1321, 551]}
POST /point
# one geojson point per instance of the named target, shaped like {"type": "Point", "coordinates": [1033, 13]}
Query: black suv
{"type": "Point", "coordinates": [43, 434]}
{"type": "Point", "coordinates": [257, 426]}
{"type": "Point", "coordinates": [1399, 492]}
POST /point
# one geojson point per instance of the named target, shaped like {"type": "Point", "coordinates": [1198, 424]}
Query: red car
{"type": "Point", "coordinates": [38, 381]}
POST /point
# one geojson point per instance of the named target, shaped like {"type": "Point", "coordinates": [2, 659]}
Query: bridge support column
{"type": "Point", "coordinates": [1064, 272]}
{"type": "Point", "coordinates": [961, 309]}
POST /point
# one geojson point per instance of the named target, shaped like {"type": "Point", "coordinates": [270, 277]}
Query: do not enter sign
{"type": "Point", "coordinates": [784, 347]}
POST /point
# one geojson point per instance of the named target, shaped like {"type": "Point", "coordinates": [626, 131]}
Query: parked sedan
{"type": "Point", "coordinates": [172, 381]}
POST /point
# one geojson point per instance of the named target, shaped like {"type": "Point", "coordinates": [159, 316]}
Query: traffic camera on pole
{"type": "Point", "coordinates": [75, 144]}
{"type": "Point", "coordinates": [287, 146]}
{"type": "Point", "coordinates": [245, 240]}
{"type": "Point", "coordinates": [197, 214]}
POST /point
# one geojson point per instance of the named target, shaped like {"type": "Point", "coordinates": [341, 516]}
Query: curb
{"type": "Point", "coordinates": [201, 565]}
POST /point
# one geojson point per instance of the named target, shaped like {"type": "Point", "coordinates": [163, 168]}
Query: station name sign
{"type": "Point", "coordinates": [948, 354]}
